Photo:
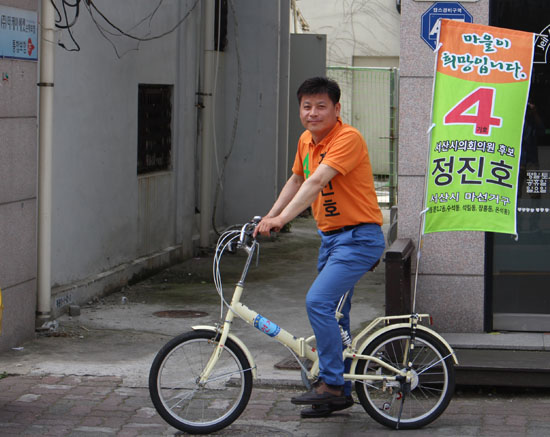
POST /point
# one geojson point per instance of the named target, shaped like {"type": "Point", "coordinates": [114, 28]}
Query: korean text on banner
{"type": "Point", "coordinates": [480, 95]}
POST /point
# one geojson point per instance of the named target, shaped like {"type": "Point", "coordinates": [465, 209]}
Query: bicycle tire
{"type": "Point", "coordinates": [431, 389]}
{"type": "Point", "coordinates": [174, 389]}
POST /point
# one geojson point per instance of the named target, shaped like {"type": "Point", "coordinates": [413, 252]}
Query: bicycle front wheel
{"type": "Point", "coordinates": [399, 405]}
{"type": "Point", "coordinates": [194, 408]}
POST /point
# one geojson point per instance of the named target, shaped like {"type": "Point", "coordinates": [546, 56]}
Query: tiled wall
{"type": "Point", "coordinates": [18, 200]}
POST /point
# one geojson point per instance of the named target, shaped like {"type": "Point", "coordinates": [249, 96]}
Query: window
{"type": "Point", "coordinates": [154, 128]}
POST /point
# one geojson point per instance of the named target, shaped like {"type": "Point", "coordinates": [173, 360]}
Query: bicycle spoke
{"type": "Point", "coordinates": [180, 398]}
{"type": "Point", "coordinates": [436, 362]}
{"type": "Point", "coordinates": [224, 375]}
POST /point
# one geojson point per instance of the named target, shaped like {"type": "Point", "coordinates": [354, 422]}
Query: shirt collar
{"type": "Point", "coordinates": [328, 136]}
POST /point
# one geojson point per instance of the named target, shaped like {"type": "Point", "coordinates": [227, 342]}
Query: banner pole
{"type": "Point", "coordinates": [424, 209]}
{"type": "Point", "coordinates": [418, 254]}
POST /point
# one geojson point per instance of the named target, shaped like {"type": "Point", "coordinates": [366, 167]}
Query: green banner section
{"type": "Point", "coordinates": [474, 155]}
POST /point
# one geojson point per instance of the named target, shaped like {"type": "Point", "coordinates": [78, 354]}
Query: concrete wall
{"type": "Point", "coordinates": [18, 203]}
{"type": "Point", "coordinates": [451, 273]}
{"type": "Point", "coordinates": [109, 223]}
{"type": "Point", "coordinates": [308, 59]}
{"type": "Point", "coordinates": [256, 169]}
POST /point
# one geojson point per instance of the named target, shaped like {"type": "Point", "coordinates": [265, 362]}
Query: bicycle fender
{"type": "Point", "coordinates": [236, 340]}
{"type": "Point", "coordinates": [398, 326]}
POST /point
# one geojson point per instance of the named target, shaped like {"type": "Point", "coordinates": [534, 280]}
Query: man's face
{"type": "Point", "coordinates": [318, 115]}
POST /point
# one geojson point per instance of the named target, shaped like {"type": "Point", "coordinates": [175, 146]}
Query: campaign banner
{"type": "Point", "coordinates": [480, 96]}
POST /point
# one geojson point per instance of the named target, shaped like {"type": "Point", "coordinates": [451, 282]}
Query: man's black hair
{"type": "Point", "coordinates": [319, 85]}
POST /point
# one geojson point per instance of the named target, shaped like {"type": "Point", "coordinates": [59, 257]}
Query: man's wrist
{"type": "Point", "coordinates": [284, 218]}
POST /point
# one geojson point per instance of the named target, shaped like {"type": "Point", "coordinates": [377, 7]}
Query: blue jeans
{"type": "Point", "coordinates": [343, 259]}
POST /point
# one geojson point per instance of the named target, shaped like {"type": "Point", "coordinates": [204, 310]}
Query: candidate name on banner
{"type": "Point", "coordinates": [480, 95]}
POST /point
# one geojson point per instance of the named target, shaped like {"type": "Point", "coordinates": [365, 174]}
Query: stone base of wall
{"type": "Point", "coordinates": [81, 292]}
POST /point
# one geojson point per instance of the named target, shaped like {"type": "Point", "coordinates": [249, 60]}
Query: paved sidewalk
{"type": "Point", "coordinates": [86, 406]}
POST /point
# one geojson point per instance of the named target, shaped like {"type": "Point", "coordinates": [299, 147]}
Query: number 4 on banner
{"type": "Point", "coordinates": [483, 100]}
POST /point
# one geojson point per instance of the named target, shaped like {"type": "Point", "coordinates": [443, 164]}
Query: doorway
{"type": "Point", "coordinates": [519, 270]}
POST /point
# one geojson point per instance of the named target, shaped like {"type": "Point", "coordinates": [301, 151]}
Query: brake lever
{"type": "Point", "coordinates": [232, 247]}
{"type": "Point", "coordinates": [245, 232]}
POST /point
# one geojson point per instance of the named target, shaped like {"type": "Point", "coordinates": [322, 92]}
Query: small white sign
{"type": "Point", "coordinates": [18, 33]}
{"type": "Point", "coordinates": [537, 181]}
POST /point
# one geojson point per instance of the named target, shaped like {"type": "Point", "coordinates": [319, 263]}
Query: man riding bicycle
{"type": "Point", "coordinates": [332, 174]}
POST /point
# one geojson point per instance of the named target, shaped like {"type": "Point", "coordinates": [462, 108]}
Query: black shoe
{"type": "Point", "coordinates": [324, 410]}
{"type": "Point", "coordinates": [320, 394]}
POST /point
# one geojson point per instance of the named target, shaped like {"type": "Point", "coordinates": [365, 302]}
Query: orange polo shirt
{"type": "Point", "coordinates": [349, 198]}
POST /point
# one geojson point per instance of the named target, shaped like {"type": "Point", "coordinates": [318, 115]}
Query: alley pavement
{"type": "Point", "coordinates": [87, 374]}
{"type": "Point", "coordinates": [82, 406]}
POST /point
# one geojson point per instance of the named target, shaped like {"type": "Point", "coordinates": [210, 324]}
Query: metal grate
{"type": "Point", "coordinates": [370, 104]}
{"type": "Point", "coordinates": [180, 314]}
{"type": "Point", "coordinates": [154, 128]}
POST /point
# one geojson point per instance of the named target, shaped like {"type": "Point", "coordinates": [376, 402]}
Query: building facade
{"type": "Point", "coordinates": [130, 112]}
{"type": "Point", "coordinates": [476, 281]}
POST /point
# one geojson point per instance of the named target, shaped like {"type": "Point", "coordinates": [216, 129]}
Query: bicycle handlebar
{"type": "Point", "coordinates": [248, 230]}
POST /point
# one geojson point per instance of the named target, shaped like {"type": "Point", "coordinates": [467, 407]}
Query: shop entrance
{"type": "Point", "coordinates": [519, 271]}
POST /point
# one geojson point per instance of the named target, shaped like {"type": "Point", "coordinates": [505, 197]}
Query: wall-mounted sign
{"type": "Point", "coordinates": [18, 34]}
{"type": "Point", "coordinates": [537, 181]}
{"type": "Point", "coordinates": [431, 19]}
{"type": "Point", "coordinates": [541, 46]}
{"type": "Point", "coordinates": [480, 97]}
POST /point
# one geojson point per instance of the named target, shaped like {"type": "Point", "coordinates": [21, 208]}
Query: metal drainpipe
{"type": "Point", "coordinates": [45, 119]}
{"type": "Point", "coordinates": [207, 114]}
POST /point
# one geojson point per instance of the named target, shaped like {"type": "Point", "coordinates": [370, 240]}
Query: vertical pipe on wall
{"type": "Point", "coordinates": [45, 119]}
{"type": "Point", "coordinates": [177, 128]}
{"type": "Point", "coordinates": [278, 86]}
{"type": "Point", "coordinates": [207, 125]}
{"type": "Point", "coordinates": [394, 135]}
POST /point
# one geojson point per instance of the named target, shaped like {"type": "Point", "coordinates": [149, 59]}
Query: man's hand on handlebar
{"type": "Point", "coordinates": [267, 225]}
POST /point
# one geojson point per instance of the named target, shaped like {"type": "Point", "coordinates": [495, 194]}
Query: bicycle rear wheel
{"type": "Point", "coordinates": [174, 389]}
{"type": "Point", "coordinates": [396, 404]}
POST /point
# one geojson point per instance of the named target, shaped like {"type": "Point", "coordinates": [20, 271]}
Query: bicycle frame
{"type": "Point", "coordinates": [298, 345]}
{"type": "Point", "coordinates": [301, 347]}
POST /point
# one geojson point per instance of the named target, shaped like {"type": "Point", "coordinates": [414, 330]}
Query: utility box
{"type": "Point", "coordinates": [398, 277]}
